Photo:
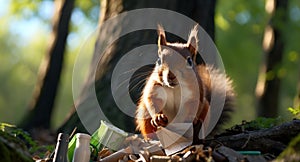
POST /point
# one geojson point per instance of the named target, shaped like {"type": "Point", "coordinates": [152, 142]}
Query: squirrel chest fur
{"type": "Point", "coordinates": [178, 90]}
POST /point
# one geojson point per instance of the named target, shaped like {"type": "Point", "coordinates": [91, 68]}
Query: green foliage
{"type": "Point", "coordinates": [12, 148]}
{"type": "Point", "coordinates": [262, 123]}
{"type": "Point", "coordinates": [24, 139]}
{"type": "Point", "coordinates": [257, 124]}
{"type": "Point", "coordinates": [20, 135]}
{"type": "Point", "coordinates": [19, 65]}
{"type": "Point", "coordinates": [295, 111]}
{"type": "Point", "coordinates": [89, 8]}
{"type": "Point", "coordinates": [24, 8]}
{"type": "Point", "coordinates": [239, 44]}
{"type": "Point", "coordinates": [239, 29]}
{"type": "Point", "coordinates": [292, 152]}
{"type": "Point", "coordinates": [23, 46]}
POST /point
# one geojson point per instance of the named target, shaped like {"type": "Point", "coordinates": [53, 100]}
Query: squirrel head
{"type": "Point", "coordinates": [176, 61]}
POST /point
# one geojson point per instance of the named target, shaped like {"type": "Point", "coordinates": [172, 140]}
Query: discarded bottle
{"type": "Point", "coordinates": [82, 151]}
{"type": "Point", "coordinates": [60, 154]}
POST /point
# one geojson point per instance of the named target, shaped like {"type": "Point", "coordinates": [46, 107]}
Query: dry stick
{"type": "Point", "coordinates": [71, 135]}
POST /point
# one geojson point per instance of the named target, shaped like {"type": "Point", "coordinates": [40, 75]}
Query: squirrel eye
{"type": "Point", "coordinates": [189, 61]}
{"type": "Point", "coordinates": [158, 62]}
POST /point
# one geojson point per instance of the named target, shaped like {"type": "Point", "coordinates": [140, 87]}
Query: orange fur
{"type": "Point", "coordinates": [174, 82]}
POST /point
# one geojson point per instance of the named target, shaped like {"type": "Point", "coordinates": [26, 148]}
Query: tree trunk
{"type": "Point", "coordinates": [200, 11]}
{"type": "Point", "coordinates": [42, 103]}
{"type": "Point", "coordinates": [268, 86]}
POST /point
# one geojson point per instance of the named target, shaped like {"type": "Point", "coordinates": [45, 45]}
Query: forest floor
{"type": "Point", "coordinates": [259, 140]}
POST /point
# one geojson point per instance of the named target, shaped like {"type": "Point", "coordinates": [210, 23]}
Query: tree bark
{"type": "Point", "coordinates": [45, 91]}
{"type": "Point", "coordinates": [268, 86]}
{"type": "Point", "coordinates": [200, 11]}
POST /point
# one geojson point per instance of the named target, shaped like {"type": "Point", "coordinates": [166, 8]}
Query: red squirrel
{"type": "Point", "coordinates": [177, 80]}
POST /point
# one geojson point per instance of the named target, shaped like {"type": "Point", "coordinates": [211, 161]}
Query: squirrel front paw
{"type": "Point", "coordinates": [160, 120]}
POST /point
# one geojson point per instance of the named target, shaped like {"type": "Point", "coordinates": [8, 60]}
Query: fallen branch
{"type": "Point", "coordinates": [272, 140]}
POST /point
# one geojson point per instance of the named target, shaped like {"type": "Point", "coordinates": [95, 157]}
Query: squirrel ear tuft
{"type": "Point", "coordinates": [193, 40]}
{"type": "Point", "coordinates": [161, 37]}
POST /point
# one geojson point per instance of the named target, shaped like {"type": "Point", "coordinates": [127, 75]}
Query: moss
{"type": "Point", "coordinates": [292, 152]}
{"type": "Point", "coordinates": [13, 149]}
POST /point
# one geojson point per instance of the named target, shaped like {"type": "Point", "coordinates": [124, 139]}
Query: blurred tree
{"type": "Point", "coordinates": [239, 28]}
{"type": "Point", "coordinates": [42, 103]}
{"type": "Point", "coordinates": [268, 85]}
{"type": "Point", "coordinates": [297, 98]}
{"type": "Point", "coordinates": [21, 56]}
{"type": "Point", "coordinates": [201, 11]}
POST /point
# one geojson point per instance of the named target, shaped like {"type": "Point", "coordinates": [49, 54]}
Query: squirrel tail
{"type": "Point", "coordinates": [219, 91]}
